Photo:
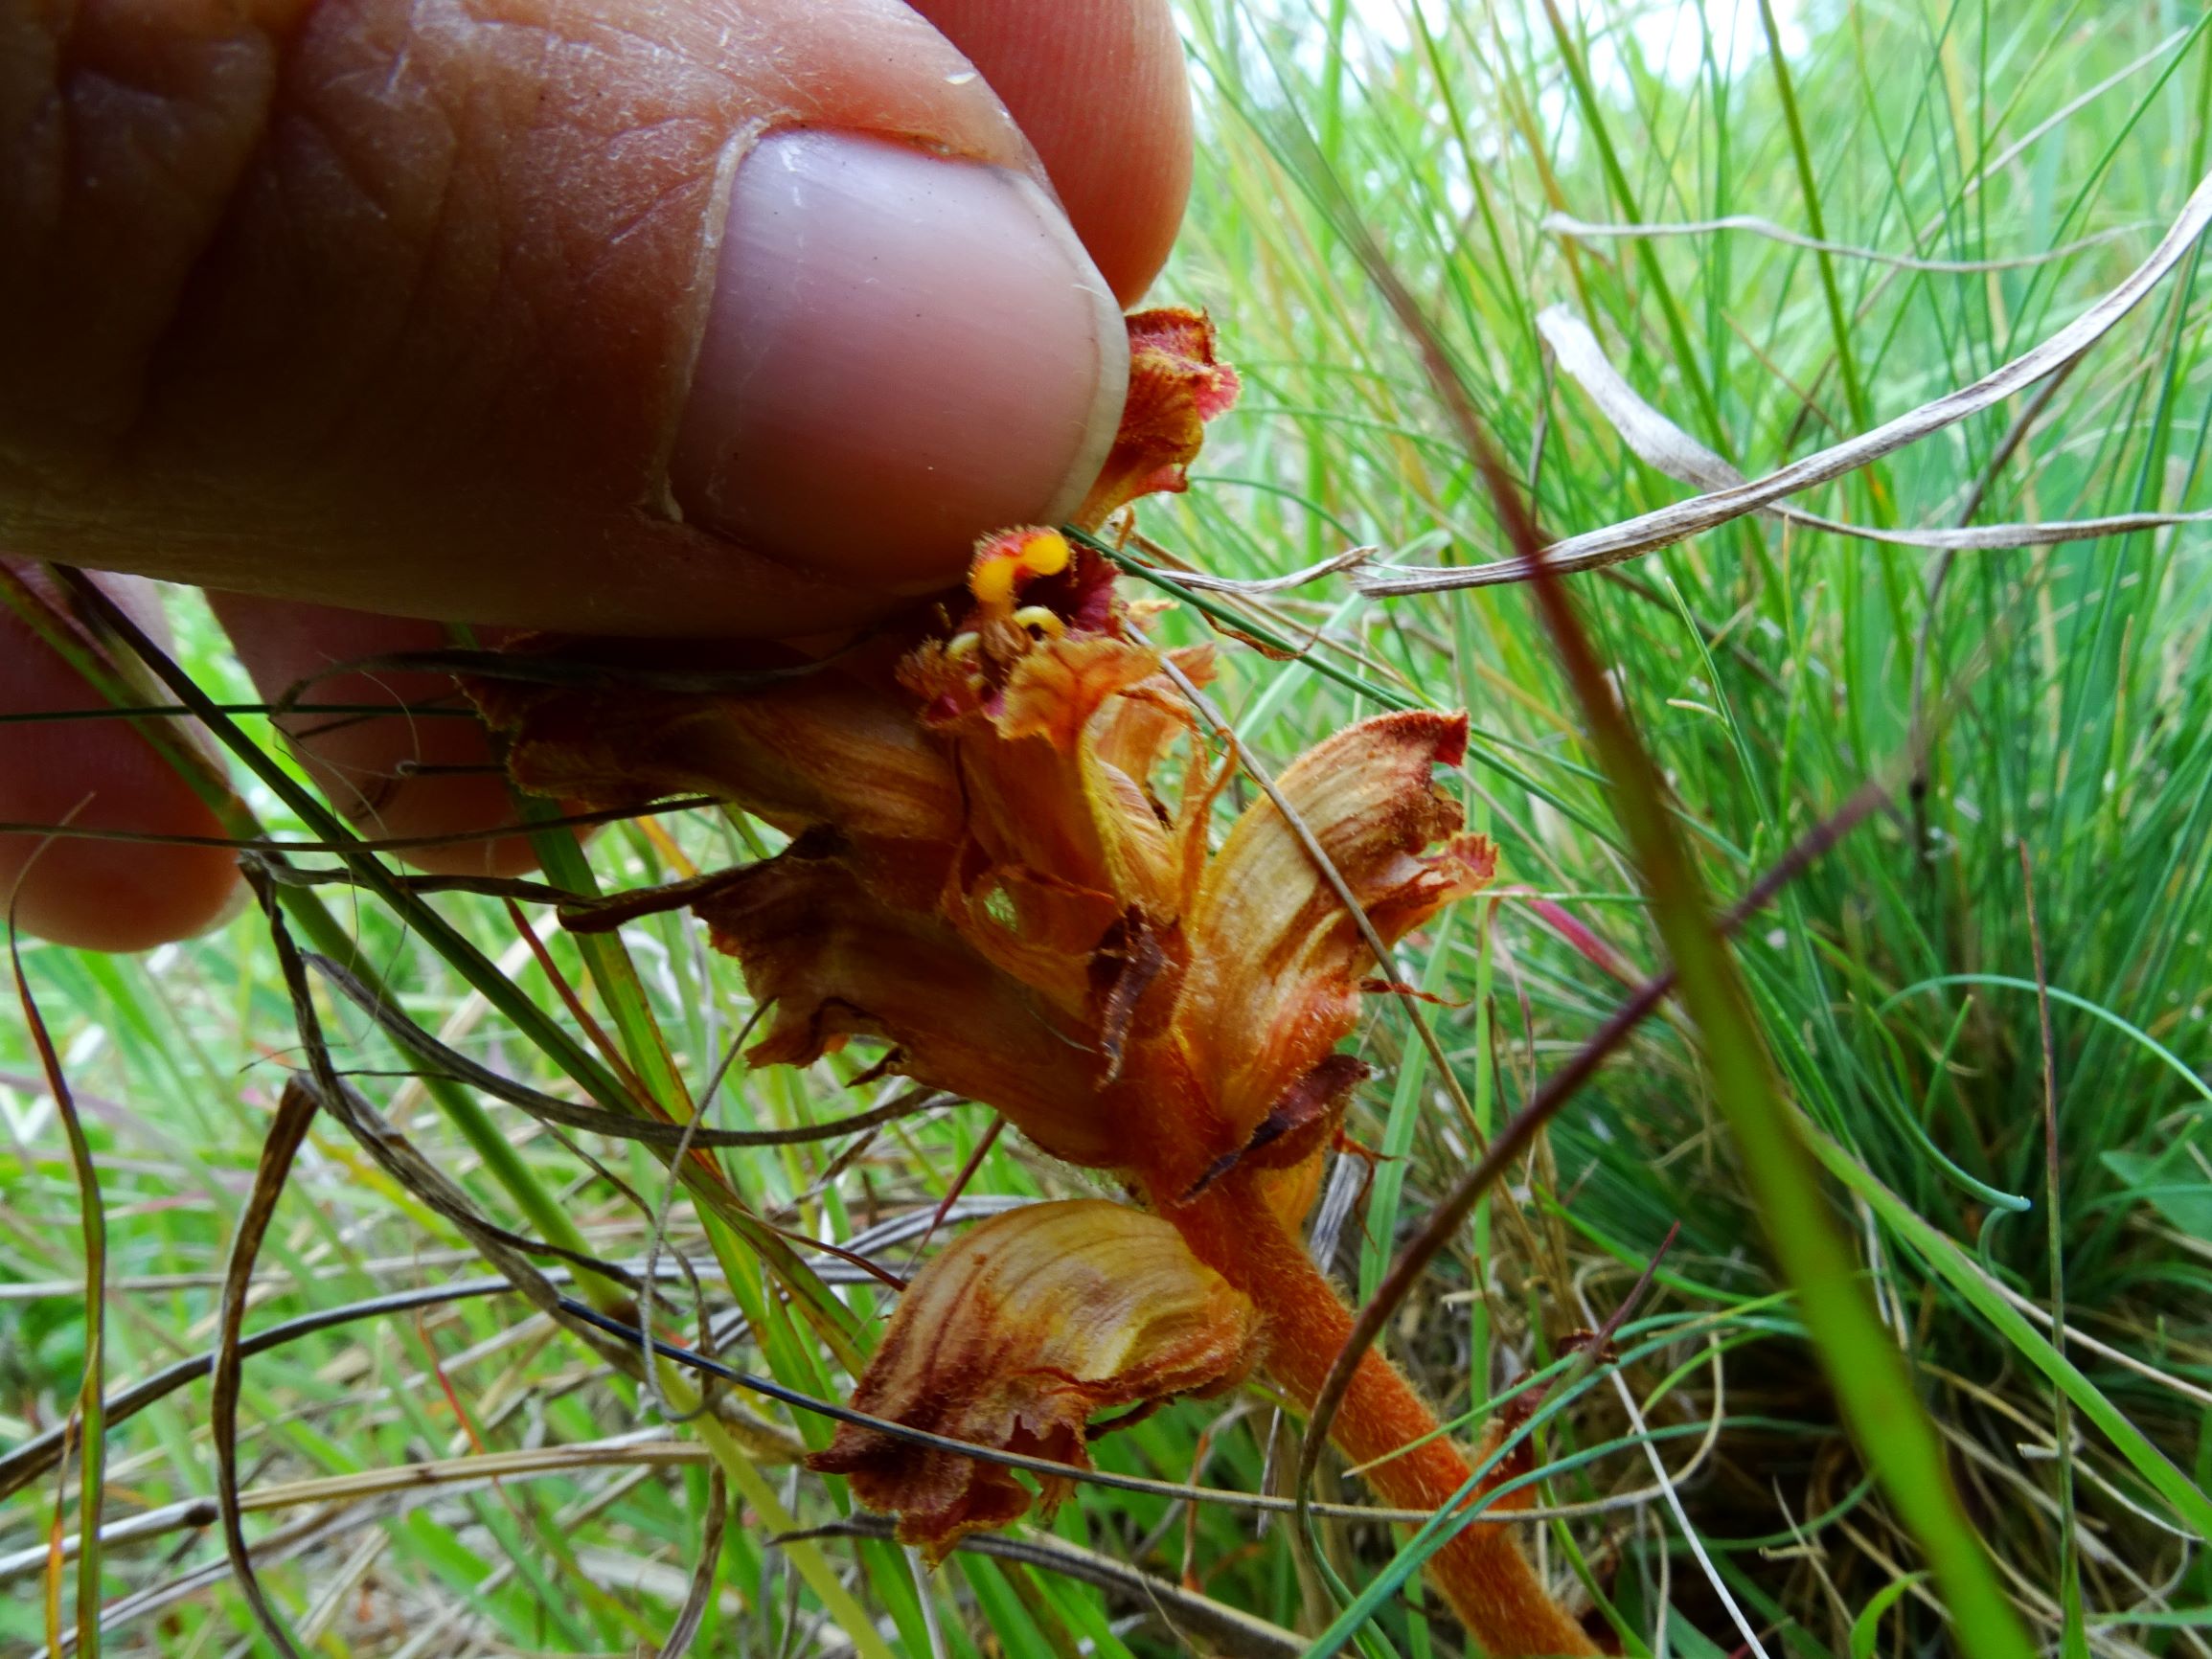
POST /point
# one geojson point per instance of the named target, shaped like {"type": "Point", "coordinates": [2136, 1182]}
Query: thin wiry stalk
{"type": "Point", "coordinates": [350, 843]}
{"type": "Point", "coordinates": [2075, 1633]}
{"type": "Point", "coordinates": [1225, 1629]}
{"type": "Point", "coordinates": [295, 1114]}
{"type": "Point", "coordinates": [686, 1629]}
{"type": "Point", "coordinates": [88, 1423]}
{"type": "Point", "coordinates": [1673, 1502]}
{"type": "Point", "coordinates": [616, 1125]}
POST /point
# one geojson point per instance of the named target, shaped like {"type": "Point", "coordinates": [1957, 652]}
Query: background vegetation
{"type": "Point", "coordinates": [2010, 161]}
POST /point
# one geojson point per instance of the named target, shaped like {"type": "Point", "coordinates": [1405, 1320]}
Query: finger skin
{"type": "Point", "coordinates": [1101, 90]}
{"type": "Point", "coordinates": [393, 303]}
{"type": "Point", "coordinates": [97, 774]}
{"type": "Point", "coordinates": [360, 764]}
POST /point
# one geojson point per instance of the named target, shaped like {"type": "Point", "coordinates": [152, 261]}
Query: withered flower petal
{"type": "Point", "coordinates": [1176, 385]}
{"type": "Point", "coordinates": [1035, 727]}
{"type": "Point", "coordinates": [1072, 693]}
{"type": "Point", "coordinates": [824, 748]}
{"type": "Point", "coordinates": [1034, 927]}
{"type": "Point", "coordinates": [1014, 1338]}
{"type": "Point", "coordinates": [1276, 960]}
{"type": "Point", "coordinates": [838, 960]}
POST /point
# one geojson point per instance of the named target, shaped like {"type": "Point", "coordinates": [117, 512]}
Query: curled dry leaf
{"type": "Point", "coordinates": [1723, 503]}
{"type": "Point", "coordinates": [1661, 445]}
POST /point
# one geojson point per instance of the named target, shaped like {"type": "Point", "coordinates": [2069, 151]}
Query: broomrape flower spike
{"type": "Point", "coordinates": [989, 876]}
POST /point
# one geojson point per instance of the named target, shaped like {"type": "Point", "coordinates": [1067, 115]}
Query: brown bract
{"type": "Point", "coordinates": [1017, 1336]}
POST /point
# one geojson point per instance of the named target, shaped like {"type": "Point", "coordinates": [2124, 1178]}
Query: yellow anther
{"type": "Point", "coordinates": [1042, 618]}
{"type": "Point", "coordinates": [1045, 553]}
{"type": "Point", "coordinates": [963, 648]}
{"type": "Point", "coordinates": [992, 580]}
{"type": "Point", "coordinates": [1012, 554]}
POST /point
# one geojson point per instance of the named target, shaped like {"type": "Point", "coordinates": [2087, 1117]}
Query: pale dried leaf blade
{"type": "Point", "coordinates": [1664, 446]}
{"type": "Point", "coordinates": [1657, 441]}
{"type": "Point", "coordinates": [1683, 519]}
{"type": "Point", "coordinates": [1560, 224]}
{"type": "Point", "coordinates": [686, 1629]}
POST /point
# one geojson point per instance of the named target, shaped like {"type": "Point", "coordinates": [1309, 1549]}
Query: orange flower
{"type": "Point", "coordinates": [1130, 1000]}
{"type": "Point", "coordinates": [1176, 385]}
{"type": "Point", "coordinates": [1017, 1336]}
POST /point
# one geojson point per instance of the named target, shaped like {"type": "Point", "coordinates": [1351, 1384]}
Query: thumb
{"type": "Point", "coordinates": [735, 315]}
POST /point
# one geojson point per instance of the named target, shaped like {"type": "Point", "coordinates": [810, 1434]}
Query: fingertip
{"type": "Point", "coordinates": [904, 352]}
{"type": "Point", "coordinates": [1101, 90]}
{"type": "Point", "coordinates": [426, 770]}
{"type": "Point", "coordinates": [60, 775]}
{"type": "Point", "coordinates": [115, 895]}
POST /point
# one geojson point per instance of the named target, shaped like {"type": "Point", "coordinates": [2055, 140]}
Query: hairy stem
{"type": "Point", "coordinates": [1482, 1572]}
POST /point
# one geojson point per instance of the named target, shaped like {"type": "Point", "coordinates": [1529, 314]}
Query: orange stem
{"type": "Point", "coordinates": [1481, 1571]}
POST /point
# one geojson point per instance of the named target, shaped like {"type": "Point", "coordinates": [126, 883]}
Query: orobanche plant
{"type": "Point", "coordinates": [991, 871]}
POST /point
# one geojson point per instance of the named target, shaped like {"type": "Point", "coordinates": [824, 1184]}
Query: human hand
{"type": "Point", "coordinates": [428, 311]}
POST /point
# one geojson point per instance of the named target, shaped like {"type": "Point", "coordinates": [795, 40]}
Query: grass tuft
{"type": "Point", "coordinates": [2003, 1089]}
